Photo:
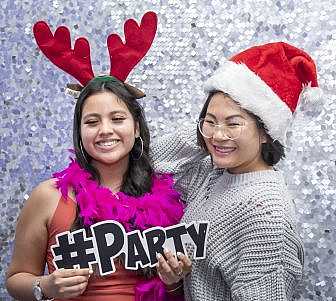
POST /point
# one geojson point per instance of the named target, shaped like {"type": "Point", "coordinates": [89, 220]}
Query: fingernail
{"type": "Point", "coordinates": [158, 255]}
{"type": "Point", "coordinates": [179, 254]}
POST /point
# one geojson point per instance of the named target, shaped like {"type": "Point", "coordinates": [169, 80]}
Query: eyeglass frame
{"type": "Point", "coordinates": [219, 126]}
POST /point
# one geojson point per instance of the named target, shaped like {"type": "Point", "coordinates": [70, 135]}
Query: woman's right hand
{"type": "Point", "coordinates": [65, 283]}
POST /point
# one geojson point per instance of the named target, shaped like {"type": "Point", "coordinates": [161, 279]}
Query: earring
{"type": "Point", "coordinates": [82, 151]}
{"type": "Point", "coordinates": [142, 147]}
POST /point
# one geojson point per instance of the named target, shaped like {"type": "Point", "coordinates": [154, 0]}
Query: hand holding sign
{"type": "Point", "coordinates": [66, 283]}
{"type": "Point", "coordinates": [171, 270]}
{"type": "Point", "coordinates": [109, 240]}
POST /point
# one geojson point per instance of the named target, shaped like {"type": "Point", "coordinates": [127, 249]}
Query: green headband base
{"type": "Point", "coordinates": [75, 89]}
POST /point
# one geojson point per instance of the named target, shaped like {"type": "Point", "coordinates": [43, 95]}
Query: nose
{"type": "Point", "coordinates": [106, 128]}
{"type": "Point", "coordinates": [219, 134]}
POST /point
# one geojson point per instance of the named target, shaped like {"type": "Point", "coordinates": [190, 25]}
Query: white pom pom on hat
{"type": "Point", "coordinates": [268, 80]}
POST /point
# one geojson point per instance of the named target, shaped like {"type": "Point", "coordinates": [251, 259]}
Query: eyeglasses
{"type": "Point", "coordinates": [230, 130]}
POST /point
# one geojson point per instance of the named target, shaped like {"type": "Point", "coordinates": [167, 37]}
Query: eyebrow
{"type": "Point", "coordinates": [227, 118]}
{"type": "Point", "coordinates": [111, 113]}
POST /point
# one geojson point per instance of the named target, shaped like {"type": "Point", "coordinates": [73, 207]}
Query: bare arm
{"type": "Point", "coordinates": [31, 238]}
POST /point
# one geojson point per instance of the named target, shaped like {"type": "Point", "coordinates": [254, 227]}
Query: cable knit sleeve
{"type": "Point", "coordinates": [270, 253]}
{"type": "Point", "coordinates": [275, 286]}
{"type": "Point", "coordinates": [179, 154]}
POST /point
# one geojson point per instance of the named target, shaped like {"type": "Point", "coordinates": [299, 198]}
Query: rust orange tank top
{"type": "Point", "coordinates": [118, 286]}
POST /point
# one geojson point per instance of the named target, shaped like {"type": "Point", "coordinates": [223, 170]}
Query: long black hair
{"type": "Point", "coordinates": [138, 178]}
{"type": "Point", "coordinates": [272, 151]}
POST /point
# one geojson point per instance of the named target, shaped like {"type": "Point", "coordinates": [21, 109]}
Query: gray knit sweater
{"type": "Point", "coordinates": [253, 250]}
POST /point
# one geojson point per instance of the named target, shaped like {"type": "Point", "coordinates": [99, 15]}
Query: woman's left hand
{"type": "Point", "coordinates": [171, 270]}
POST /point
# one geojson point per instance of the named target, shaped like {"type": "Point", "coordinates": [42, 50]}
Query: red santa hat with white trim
{"type": "Point", "coordinates": [268, 80]}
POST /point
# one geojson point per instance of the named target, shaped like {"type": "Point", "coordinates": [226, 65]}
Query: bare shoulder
{"type": "Point", "coordinates": [47, 186]}
{"type": "Point", "coordinates": [43, 200]}
{"type": "Point", "coordinates": [45, 192]}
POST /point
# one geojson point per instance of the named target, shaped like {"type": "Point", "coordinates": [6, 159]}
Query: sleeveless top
{"type": "Point", "coordinates": [118, 286]}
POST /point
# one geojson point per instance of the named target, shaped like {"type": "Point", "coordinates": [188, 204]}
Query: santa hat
{"type": "Point", "coordinates": [268, 80]}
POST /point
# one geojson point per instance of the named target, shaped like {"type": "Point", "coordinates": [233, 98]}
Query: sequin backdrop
{"type": "Point", "coordinates": [193, 38]}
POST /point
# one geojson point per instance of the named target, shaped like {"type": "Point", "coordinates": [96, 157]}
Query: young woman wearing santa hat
{"type": "Point", "coordinates": [254, 251]}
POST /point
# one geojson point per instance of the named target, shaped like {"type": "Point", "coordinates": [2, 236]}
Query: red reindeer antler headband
{"type": "Point", "coordinates": [77, 61]}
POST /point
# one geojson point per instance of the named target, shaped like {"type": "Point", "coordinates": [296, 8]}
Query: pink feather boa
{"type": "Point", "coordinates": [159, 207]}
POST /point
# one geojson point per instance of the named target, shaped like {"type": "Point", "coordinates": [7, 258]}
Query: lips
{"type": "Point", "coordinates": [107, 144]}
{"type": "Point", "coordinates": [224, 150]}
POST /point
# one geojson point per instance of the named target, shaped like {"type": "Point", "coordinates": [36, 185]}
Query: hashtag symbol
{"type": "Point", "coordinates": [71, 250]}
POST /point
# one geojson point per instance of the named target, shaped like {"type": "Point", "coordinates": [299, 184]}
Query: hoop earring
{"type": "Point", "coordinates": [82, 151]}
{"type": "Point", "coordinates": [142, 147]}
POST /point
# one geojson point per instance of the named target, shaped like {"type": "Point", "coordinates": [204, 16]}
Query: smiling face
{"type": "Point", "coordinates": [242, 154]}
{"type": "Point", "coordinates": [107, 129]}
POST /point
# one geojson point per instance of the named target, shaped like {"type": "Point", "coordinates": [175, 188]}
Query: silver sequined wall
{"type": "Point", "coordinates": [193, 38]}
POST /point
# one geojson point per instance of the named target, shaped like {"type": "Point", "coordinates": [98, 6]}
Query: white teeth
{"type": "Point", "coordinates": [108, 143]}
{"type": "Point", "coordinates": [224, 149]}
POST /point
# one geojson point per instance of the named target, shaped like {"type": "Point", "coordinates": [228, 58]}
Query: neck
{"type": "Point", "coordinates": [256, 165]}
{"type": "Point", "coordinates": [111, 175]}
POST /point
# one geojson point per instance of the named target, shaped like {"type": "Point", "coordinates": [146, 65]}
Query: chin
{"type": "Point", "coordinates": [109, 160]}
{"type": "Point", "coordinates": [220, 163]}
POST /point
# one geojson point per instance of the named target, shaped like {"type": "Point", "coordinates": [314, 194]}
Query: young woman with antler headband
{"type": "Point", "coordinates": [111, 177]}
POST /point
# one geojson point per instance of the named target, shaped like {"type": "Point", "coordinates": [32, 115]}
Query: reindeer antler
{"type": "Point", "coordinates": [77, 62]}
{"type": "Point", "coordinates": [124, 57]}
{"type": "Point", "coordinates": [57, 48]}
